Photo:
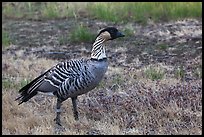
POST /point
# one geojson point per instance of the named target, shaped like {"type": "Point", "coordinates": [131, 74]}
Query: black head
{"type": "Point", "coordinates": [111, 33]}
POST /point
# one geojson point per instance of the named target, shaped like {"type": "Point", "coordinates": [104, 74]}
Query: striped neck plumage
{"type": "Point", "coordinates": [98, 50]}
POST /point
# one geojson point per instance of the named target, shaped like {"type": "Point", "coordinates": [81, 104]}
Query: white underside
{"type": "Point", "coordinates": [47, 93]}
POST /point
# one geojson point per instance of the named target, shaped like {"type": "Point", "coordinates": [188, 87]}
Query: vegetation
{"type": "Point", "coordinates": [5, 38]}
{"type": "Point", "coordinates": [179, 72]}
{"type": "Point", "coordinates": [154, 73]}
{"type": "Point", "coordinates": [122, 105]}
{"type": "Point", "coordinates": [51, 11]}
{"type": "Point", "coordinates": [198, 72]}
{"type": "Point", "coordinates": [106, 11]}
{"type": "Point", "coordinates": [162, 46]}
{"type": "Point", "coordinates": [129, 30]}
{"type": "Point", "coordinates": [81, 33]}
{"type": "Point", "coordinates": [8, 83]}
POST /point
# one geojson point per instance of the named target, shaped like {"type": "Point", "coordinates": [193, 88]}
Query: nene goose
{"type": "Point", "coordinates": [74, 77]}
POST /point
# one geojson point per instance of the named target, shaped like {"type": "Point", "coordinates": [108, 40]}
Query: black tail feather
{"type": "Point", "coordinates": [30, 90]}
{"type": "Point", "coordinates": [25, 98]}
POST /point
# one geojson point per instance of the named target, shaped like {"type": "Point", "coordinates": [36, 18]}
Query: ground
{"type": "Point", "coordinates": [153, 84]}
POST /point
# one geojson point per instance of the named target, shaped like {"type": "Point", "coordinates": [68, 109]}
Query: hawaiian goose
{"type": "Point", "coordinates": [72, 78]}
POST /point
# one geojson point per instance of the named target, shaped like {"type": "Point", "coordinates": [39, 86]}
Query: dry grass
{"type": "Point", "coordinates": [123, 103]}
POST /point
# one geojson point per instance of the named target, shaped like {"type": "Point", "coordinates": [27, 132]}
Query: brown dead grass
{"type": "Point", "coordinates": [123, 104]}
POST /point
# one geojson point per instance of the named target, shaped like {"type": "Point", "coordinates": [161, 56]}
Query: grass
{"type": "Point", "coordinates": [154, 73]}
{"type": "Point", "coordinates": [138, 107]}
{"type": "Point", "coordinates": [129, 30]}
{"type": "Point", "coordinates": [198, 72]}
{"type": "Point", "coordinates": [104, 11]}
{"type": "Point", "coordinates": [51, 11]}
{"type": "Point", "coordinates": [63, 40]}
{"type": "Point", "coordinates": [162, 46]}
{"type": "Point", "coordinates": [120, 12]}
{"type": "Point", "coordinates": [40, 10]}
{"type": "Point", "coordinates": [180, 72]}
{"type": "Point", "coordinates": [81, 33]}
{"type": "Point", "coordinates": [122, 104]}
{"type": "Point", "coordinates": [8, 83]}
{"type": "Point", "coordinates": [5, 39]}
{"type": "Point", "coordinates": [117, 79]}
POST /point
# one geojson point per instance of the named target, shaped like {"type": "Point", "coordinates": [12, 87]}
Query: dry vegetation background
{"type": "Point", "coordinates": [153, 84]}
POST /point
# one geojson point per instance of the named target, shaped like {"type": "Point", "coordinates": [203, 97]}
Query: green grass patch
{"type": "Point", "coordinates": [81, 33]}
{"type": "Point", "coordinates": [51, 11]}
{"type": "Point", "coordinates": [39, 10]}
{"type": "Point", "coordinates": [10, 10]}
{"type": "Point", "coordinates": [120, 12]}
{"type": "Point", "coordinates": [63, 40]}
{"type": "Point", "coordinates": [128, 30]}
{"type": "Point", "coordinates": [162, 46]}
{"type": "Point", "coordinates": [8, 83]}
{"type": "Point", "coordinates": [154, 73]}
{"type": "Point", "coordinates": [180, 72]}
{"type": "Point", "coordinates": [104, 11]}
{"type": "Point", "coordinates": [27, 10]}
{"type": "Point", "coordinates": [142, 11]}
{"type": "Point", "coordinates": [5, 39]}
{"type": "Point", "coordinates": [198, 72]}
{"type": "Point", "coordinates": [117, 79]}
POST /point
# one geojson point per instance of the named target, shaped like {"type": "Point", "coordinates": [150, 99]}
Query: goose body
{"type": "Point", "coordinates": [74, 77]}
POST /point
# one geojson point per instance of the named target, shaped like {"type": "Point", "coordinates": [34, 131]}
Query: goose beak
{"type": "Point", "coordinates": [119, 34]}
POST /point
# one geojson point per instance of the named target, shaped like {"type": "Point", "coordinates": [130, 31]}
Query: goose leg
{"type": "Point", "coordinates": [74, 103]}
{"type": "Point", "coordinates": [58, 110]}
